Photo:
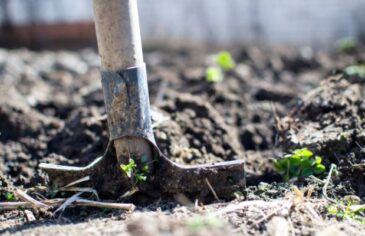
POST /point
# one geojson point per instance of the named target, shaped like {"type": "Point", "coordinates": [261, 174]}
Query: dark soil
{"type": "Point", "coordinates": [330, 121]}
{"type": "Point", "coordinates": [52, 110]}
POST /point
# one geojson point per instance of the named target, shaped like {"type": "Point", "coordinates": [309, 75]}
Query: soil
{"type": "Point", "coordinates": [273, 101]}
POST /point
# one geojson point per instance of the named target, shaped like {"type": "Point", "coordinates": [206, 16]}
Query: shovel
{"type": "Point", "coordinates": [132, 158]}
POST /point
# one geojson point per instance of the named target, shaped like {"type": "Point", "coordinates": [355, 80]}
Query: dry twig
{"type": "Point", "coordinates": [212, 190]}
{"type": "Point", "coordinates": [33, 202]}
{"type": "Point", "coordinates": [68, 202]}
{"type": "Point", "coordinates": [324, 190]}
{"type": "Point", "coordinates": [60, 201]}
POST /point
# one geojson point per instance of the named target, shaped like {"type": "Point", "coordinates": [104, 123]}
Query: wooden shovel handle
{"type": "Point", "coordinates": [120, 47]}
{"type": "Point", "coordinates": [118, 33]}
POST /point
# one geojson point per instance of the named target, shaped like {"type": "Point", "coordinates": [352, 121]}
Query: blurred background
{"type": "Point", "coordinates": [69, 23]}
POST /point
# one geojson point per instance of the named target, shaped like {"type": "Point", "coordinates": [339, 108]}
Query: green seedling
{"type": "Point", "coordinates": [348, 211]}
{"type": "Point", "coordinates": [128, 168]}
{"type": "Point", "coordinates": [131, 169]}
{"type": "Point", "coordinates": [299, 164]}
{"type": "Point", "coordinates": [145, 168]}
{"type": "Point", "coordinates": [9, 196]}
{"type": "Point", "coordinates": [355, 70]}
{"type": "Point", "coordinates": [214, 74]}
{"type": "Point", "coordinates": [223, 61]}
{"type": "Point", "coordinates": [346, 44]}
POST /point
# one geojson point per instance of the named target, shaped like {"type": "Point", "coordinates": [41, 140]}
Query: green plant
{"type": "Point", "coordinates": [140, 177]}
{"type": "Point", "coordinates": [299, 164]}
{"type": "Point", "coordinates": [346, 44]}
{"type": "Point", "coordinates": [9, 196]}
{"type": "Point", "coordinates": [131, 169]}
{"type": "Point", "coordinates": [214, 74]}
{"type": "Point", "coordinates": [357, 70]}
{"type": "Point", "coordinates": [348, 211]}
{"type": "Point", "coordinates": [223, 61]}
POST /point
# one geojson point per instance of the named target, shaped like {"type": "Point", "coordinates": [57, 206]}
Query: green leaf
{"type": "Point", "coordinates": [332, 210]}
{"type": "Point", "coordinates": [9, 196]}
{"type": "Point", "coordinates": [294, 161]}
{"type": "Point", "coordinates": [214, 74]}
{"type": "Point", "coordinates": [277, 165]}
{"type": "Point", "coordinates": [295, 172]}
{"type": "Point", "coordinates": [303, 152]}
{"type": "Point", "coordinates": [145, 168]}
{"type": "Point", "coordinates": [128, 168]}
{"type": "Point", "coordinates": [318, 160]}
{"type": "Point", "coordinates": [224, 60]}
{"type": "Point", "coordinates": [300, 163]}
{"type": "Point", "coordinates": [307, 172]}
{"type": "Point", "coordinates": [140, 177]}
{"type": "Point", "coordinates": [346, 44]}
{"type": "Point", "coordinates": [357, 208]}
{"type": "Point", "coordinates": [318, 169]}
{"type": "Point", "coordinates": [306, 163]}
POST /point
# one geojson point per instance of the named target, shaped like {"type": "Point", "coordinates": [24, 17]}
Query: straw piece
{"type": "Point", "coordinates": [25, 197]}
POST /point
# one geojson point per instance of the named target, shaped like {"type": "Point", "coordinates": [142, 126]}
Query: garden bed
{"type": "Point", "coordinates": [273, 101]}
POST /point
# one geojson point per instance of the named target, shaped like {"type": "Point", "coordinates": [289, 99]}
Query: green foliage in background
{"type": "Point", "coordinates": [198, 222]}
{"type": "Point", "coordinates": [299, 164]}
{"type": "Point", "coordinates": [346, 45]}
{"type": "Point", "coordinates": [355, 70]}
{"type": "Point", "coordinates": [223, 61]}
{"type": "Point", "coordinates": [214, 74]}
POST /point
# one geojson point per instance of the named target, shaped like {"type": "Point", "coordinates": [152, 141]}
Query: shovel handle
{"type": "Point", "coordinates": [118, 33]}
{"type": "Point", "coordinates": [120, 48]}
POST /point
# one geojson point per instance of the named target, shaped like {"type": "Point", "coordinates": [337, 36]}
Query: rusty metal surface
{"type": "Point", "coordinates": [224, 178]}
{"type": "Point", "coordinates": [168, 177]}
{"type": "Point", "coordinates": [104, 173]}
{"type": "Point", "coordinates": [127, 103]}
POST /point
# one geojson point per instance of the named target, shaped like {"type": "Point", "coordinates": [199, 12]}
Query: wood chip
{"type": "Point", "coordinates": [29, 216]}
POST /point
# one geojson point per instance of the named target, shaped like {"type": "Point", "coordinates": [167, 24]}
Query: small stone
{"type": "Point", "coordinates": [163, 136]}
{"type": "Point", "coordinates": [29, 216]}
{"type": "Point", "coordinates": [278, 226]}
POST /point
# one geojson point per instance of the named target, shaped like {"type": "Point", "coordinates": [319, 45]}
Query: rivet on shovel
{"type": "Point", "coordinates": [125, 89]}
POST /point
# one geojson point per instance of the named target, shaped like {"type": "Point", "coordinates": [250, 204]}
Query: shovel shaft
{"type": "Point", "coordinates": [118, 33]}
{"type": "Point", "coordinates": [119, 43]}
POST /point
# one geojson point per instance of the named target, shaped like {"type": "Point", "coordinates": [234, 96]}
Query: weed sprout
{"type": "Point", "coordinates": [214, 74]}
{"type": "Point", "coordinates": [299, 164]}
{"type": "Point", "coordinates": [347, 44]}
{"type": "Point", "coordinates": [131, 169]}
{"type": "Point", "coordinates": [223, 61]}
{"type": "Point", "coordinates": [9, 196]}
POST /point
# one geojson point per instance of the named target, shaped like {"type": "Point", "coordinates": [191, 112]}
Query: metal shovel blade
{"type": "Point", "coordinates": [106, 177]}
